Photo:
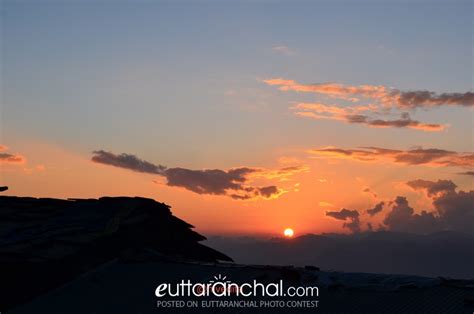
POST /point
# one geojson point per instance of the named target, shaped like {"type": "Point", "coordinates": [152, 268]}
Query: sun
{"type": "Point", "coordinates": [288, 232]}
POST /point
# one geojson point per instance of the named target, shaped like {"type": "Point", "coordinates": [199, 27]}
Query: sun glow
{"type": "Point", "coordinates": [288, 233]}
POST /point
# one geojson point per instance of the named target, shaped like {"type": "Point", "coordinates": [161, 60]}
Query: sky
{"type": "Point", "coordinates": [246, 117]}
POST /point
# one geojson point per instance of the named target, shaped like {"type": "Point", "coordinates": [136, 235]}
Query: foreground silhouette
{"type": "Point", "coordinates": [108, 255]}
{"type": "Point", "coordinates": [45, 243]}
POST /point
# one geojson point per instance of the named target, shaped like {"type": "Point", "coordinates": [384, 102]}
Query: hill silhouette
{"type": "Point", "coordinates": [47, 242]}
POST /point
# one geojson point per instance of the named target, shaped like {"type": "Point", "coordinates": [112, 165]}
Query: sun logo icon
{"type": "Point", "coordinates": [219, 278]}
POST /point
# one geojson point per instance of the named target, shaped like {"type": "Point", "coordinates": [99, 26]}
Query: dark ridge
{"type": "Point", "coordinates": [45, 243]}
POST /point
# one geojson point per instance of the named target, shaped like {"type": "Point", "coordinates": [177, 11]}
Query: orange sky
{"type": "Point", "coordinates": [321, 185]}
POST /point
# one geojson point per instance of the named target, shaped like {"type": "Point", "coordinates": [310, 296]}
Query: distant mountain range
{"type": "Point", "coordinates": [448, 254]}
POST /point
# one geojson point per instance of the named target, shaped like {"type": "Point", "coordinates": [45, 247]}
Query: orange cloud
{"type": "Point", "coordinates": [331, 89]}
{"type": "Point", "coordinates": [7, 158]}
{"type": "Point", "coordinates": [282, 174]}
{"type": "Point", "coordinates": [353, 115]}
{"type": "Point", "coordinates": [382, 94]}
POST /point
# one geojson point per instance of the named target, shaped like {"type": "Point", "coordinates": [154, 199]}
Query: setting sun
{"type": "Point", "coordinates": [288, 233]}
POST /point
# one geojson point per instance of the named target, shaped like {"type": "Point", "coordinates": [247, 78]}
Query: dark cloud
{"type": "Point", "coordinates": [414, 99]}
{"type": "Point", "coordinates": [11, 159]}
{"type": "Point", "coordinates": [268, 191]}
{"type": "Point", "coordinates": [209, 181]}
{"type": "Point", "coordinates": [376, 209]}
{"type": "Point", "coordinates": [402, 218]}
{"type": "Point", "coordinates": [467, 173]}
{"type": "Point", "coordinates": [8, 158]}
{"type": "Point", "coordinates": [367, 115]}
{"type": "Point", "coordinates": [456, 210]}
{"type": "Point", "coordinates": [433, 188]}
{"type": "Point", "coordinates": [127, 161]}
{"type": "Point", "coordinates": [352, 216]}
{"type": "Point", "coordinates": [403, 122]}
{"type": "Point", "coordinates": [453, 210]}
{"type": "Point", "coordinates": [343, 214]}
{"type": "Point", "coordinates": [213, 181]}
{"type": "Point", "coordinates": [416, 156]}
{"type": "Point", "coordinates": [369, 191]}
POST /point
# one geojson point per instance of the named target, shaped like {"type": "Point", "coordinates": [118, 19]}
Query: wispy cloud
{"type": "Point", "coordinates": [383, 103]}
{"type": "Point", "coordinates": [283, 49]}
{"type": "Point", "coordinates": [353, 114]}
{"type": "Point", "coordinates": [418, 156]}
{"type": "Point", "coordinates": [385, 95]}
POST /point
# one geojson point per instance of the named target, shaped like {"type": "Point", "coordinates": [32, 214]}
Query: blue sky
{"type": "Point", "coordinates": [151, 64]}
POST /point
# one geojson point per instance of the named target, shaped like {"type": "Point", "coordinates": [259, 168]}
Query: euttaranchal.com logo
{"type": "Point", "coordinates": [249, 294]}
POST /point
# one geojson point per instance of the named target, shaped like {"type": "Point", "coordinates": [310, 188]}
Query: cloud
{"type": "Point", "coordinates": [347, 214]}
{"type": "Point", "coordinates": [467, 173]}
{"type": "Point", "coordinates": [282, 174]}
{"type": "Point", "coordinates": [384, 95]}
{"type": "Point", "coordinates": [343, 214]}
{"type": "Point", "coordinates": [127, 161]}
{"type": "Point", "coordinates": [7, 158]}
{"type": "Point", "coordinates": [376, 209]}
{"type": "Point", "coordinates": [268, 191]}
{"type": "Point", "coordinates": [352, 115]}
{"type": "Point", "coordinates": [455, 209]}
{"type": "Point", "coordinates": [230, 182]}
{"type": "Point", "coordinates": [433, 188]}
{"type": "Point", "coordinates": [330, 89]}
{"type": "Point", "coordinates": [325, 204]}
{"type": "Point", "coordinates": [403, 122]}
{"type": "Point", "coordinates": [403, 218]}
{"type": "Point", "coordinates": [384, 102]}
{"type": "Point", "coordinates": [369, 191]}
{"type": "Point", "coordinates": [413, 99]}
{"type": "Point", "coordinates": [283, 50]}
{"type": "Point", "coordinates": [213, 181]}
{"type": "Point", "coordinates": [417, 156]}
